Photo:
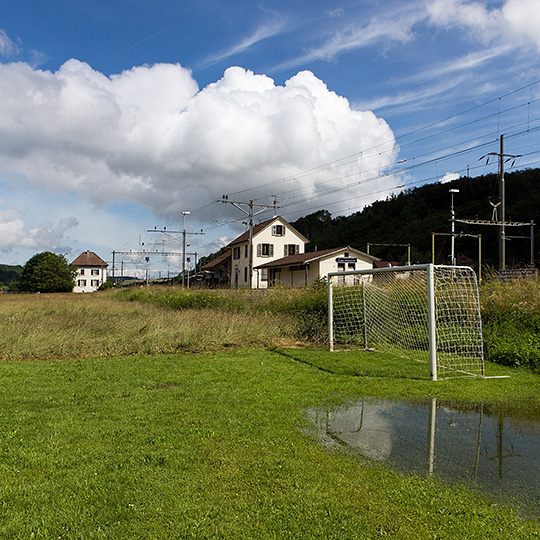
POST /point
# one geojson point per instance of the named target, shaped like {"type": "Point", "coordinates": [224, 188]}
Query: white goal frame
{"type": "Point", "coordinates": [448, 331]}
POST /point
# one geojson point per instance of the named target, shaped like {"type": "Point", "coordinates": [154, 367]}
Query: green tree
{"type": "Point", "coordinates": [48, 272]}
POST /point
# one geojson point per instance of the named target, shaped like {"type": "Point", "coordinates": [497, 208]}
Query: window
{"type": "Point", "coordinates": [82, 271]}
{"type": "Point", "coordinates": [236, 253]}
{"type": "Point", "coordinates": [95, 272]}
{"type": "Point", "coordinates": [341, 267]}
{"type": "Point", "coordinates": [291, 249]}
{"type": "Point", "coordinates": [246, 251]}
{"type": "Point", "coordinates": [278, 230]}
{"type": "Point", "coordinates": [351, 266]}
{"type": "Point", "coordinates": [245, 274]}
{"type": "Point", "coordinates": [264, 274]}
{"type": "Point", "coordinates": [81, 283]}
{"type": "Point", "coordinates": [265, 250]}
{"type": "Point", "coordinates": [95, 283]}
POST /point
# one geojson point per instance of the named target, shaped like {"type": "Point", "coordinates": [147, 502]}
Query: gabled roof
{"type": "Point", "coordinates": [214, 263]}
{"type": "Point", "coordinates": [244, 237]}
{"type": "Point", "coordinates": [89, 258]}
{"type": "Point", "coordinates": [306, 258]}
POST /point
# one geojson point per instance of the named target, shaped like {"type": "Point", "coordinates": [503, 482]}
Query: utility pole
{"type": "Point", "coordinates": [184, 234]}
{"type": "Point", "coordinates": [453, 228]}
{"type": "Point", "coordinates": [248, 209]}
{"type": "Point", "coordinates": [502, 200]}
{"type": "Point", "coordinates": [184, 213]}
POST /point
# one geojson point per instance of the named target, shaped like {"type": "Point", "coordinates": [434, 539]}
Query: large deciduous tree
{"type": "Point", "coordinates": [47, 272]}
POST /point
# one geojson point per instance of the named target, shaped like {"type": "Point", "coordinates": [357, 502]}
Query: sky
{"type": "Point", "coordinates": [117, 118]}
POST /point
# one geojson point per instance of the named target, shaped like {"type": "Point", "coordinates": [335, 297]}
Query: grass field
{"type": "Point", "coordinates": [136, 437]}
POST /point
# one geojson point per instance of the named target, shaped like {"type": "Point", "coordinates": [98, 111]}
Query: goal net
{"type": "Point", "coordinates": [424, 312]}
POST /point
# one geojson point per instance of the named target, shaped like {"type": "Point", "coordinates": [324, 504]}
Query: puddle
{"type": "Point", "coordinates": [496, 454]}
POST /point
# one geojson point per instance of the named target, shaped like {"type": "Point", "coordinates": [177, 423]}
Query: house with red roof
{"type": "Point", "coordinates": [270, 240]}
{"type": "Point", "coordinates": [91, 272]}
{"type": "Point", "coordinates": [279, 258]}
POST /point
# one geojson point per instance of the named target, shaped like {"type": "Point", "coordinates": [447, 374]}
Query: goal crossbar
{"type": "Point", "coordinates": [426, 312]}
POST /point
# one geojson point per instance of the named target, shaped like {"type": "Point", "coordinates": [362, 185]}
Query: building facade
{"type": "Point", "coordinates": [306, 269]}
{"type": "Point", "coordinates": [271, 240]}
{"type": "Point", "coordinates": [91, 272]}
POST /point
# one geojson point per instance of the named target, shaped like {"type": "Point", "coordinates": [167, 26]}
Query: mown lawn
{"type": "Point", "coordinates": [216, 446]}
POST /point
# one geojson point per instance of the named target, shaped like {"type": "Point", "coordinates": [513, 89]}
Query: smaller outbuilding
{"type": "Point", "coordinates": [91, 272]}
{"type": "Point", "coordinates": [305, 269]}
{"type": "Point", "coordinates": [218, 270]}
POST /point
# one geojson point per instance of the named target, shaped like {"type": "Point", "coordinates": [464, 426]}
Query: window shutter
{"type": "Point", "coordinates": [285, 250]}
{"type": "Point", "coordinates": [271, 250]}
{"type": "Point", "coordinates": [273, 230]}
{"type": "Point", "coordinates": [259, 250]}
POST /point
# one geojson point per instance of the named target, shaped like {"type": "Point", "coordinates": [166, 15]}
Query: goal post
{"type": "Point", "coordinates": [425, 312]}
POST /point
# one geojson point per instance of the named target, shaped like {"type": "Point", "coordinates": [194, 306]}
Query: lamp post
{"type": "Point", "coordinates": [453, 229]}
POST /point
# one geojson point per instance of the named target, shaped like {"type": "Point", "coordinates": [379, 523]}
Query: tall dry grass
{"type": "Point", "coordinates": [48, 326]}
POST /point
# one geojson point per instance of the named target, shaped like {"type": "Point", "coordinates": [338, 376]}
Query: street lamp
{"type": "Point", "coordinates": [453, 220]}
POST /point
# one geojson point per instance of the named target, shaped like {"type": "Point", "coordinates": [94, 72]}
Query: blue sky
{"type": "Point", "coordinates": [117, 116]}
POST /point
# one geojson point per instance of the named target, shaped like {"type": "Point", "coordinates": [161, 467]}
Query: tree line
{"type": "Point", "coordinates": [411, 217]}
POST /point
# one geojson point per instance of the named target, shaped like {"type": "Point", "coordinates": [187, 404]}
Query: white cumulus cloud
{"type": "Point", "coordinates": [150, 136]}
{"type": "Point", "coordinates": [14, 233]}
{"type": "Point", "coordinates": [449, 177]}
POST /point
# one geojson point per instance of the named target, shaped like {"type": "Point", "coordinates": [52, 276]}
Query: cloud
{"type": "Point", "coordinates": [7, 46]}
{"type": "Point", "coordinates": [524, 18]}
{"type": "Point", "coordinates": [394, 28]}
{"type": "Point", "coordinates": [517, 21]}
{"type": "Point", "coordinates": [149, 136]}
{"type": "Point", "coordinates": [13, 232]}
{"type": "Point", "coordinates": [449, 177]}
{"type": "Point", "coordinates": [262, 32]}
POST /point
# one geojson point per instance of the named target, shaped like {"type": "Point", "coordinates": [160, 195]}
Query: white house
{"type": "Point", "coordinates": [91, 272]}
{"type": "Point", "coordinates": [306, 268]}
{"type": "Point", "coordinates": [271, 240]}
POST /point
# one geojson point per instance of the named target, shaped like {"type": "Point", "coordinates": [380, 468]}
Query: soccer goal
{"type": "Point", "coordinates": [424, 312]}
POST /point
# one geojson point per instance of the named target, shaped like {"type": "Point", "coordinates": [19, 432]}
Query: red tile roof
{"type": "Point", "coordinates": [244, 237]}
{"type": "Point", "coordinates": [256, 229]}
{"type": "Point", "coordinates": [214, 263]}
{"type": "Point", "coordinates": [89, 258]}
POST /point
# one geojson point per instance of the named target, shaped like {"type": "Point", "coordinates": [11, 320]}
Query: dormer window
{"type": "Point", "coordinates": [278, 230]}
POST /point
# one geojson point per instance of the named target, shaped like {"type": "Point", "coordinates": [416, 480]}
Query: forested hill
{"type": "Point", "coordinates": [10, 274]}
{"type": "Point", "coordinates": [412, 216]}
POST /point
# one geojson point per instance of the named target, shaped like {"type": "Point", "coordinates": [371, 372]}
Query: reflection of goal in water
{"type": "Point", "coordinates": [423, 312]}
{"type": "Point", "coordinates": [434, 437]}
{"type": "Point", "coordinates": [451, 441]}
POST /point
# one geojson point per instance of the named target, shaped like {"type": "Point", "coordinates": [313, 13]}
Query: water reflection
{"type": "Point", "coordinates": [452, 442]}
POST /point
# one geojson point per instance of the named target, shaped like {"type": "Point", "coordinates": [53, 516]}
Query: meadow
{"type": "Point", "coordinates": [169, 414]}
